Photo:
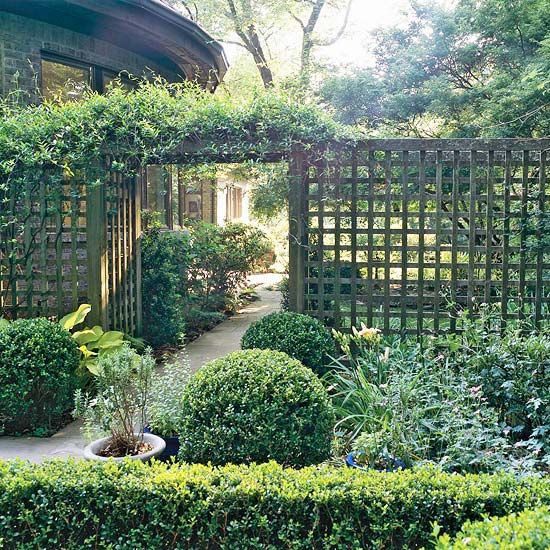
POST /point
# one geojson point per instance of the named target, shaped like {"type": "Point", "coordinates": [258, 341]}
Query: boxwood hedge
{"type": "Point", "coordinates": [75, 504]}
{"type": "Point", "coordinates": [527, 530]}
{"type": "Point", "coordinates": [255, 406]}
{"type": "Point", "coordinates": [38, 363]}
{"type": "Point", "coordinates": [300, 336]}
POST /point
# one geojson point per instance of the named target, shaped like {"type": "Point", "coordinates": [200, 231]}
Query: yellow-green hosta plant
{"type": "Point", "coordinates": [93, 342]}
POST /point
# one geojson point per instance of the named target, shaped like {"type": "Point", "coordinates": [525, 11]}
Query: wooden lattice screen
{"type": "Point", "coordinates": [77, 245]}
{"type": "Point", "coordinates": [43, 266]}
{"type": "Point", "coordinates": [404, 234]}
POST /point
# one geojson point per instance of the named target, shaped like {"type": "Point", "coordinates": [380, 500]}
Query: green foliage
{"type": "Point", "coordinates": [38, 362]}
{"type": "Point", "coordinates": [257, 406]}
{"type": "Point", "coordinates": [300, 336]}
{"type": "Point", "coordinates": [121, 391]}
{"type": "Point", "coordinates": [412, 406]}
{"type": "Point", "coordinates": [476, 69]}
{"type": "Point", "coordinates": [164, 407]}
{"type": "Point", "coordinates": [191, 275]}
{"type": "Point", "coordinates": [81, 505]}
{"type": "Point", "coordinates": [94, 342]}
{"type": "Point", "coordinates": [164, 257]}
{"type": "Point", "coordinates": [528, 530]}
{"type": "Point", "coordinates": [284, 290]}
{"type": "Point", "coordinates": [42, 146]}
{"type": "Point", "coordinates": [513, 372]}
{"type": "Point", "coordinates": [222, 257]}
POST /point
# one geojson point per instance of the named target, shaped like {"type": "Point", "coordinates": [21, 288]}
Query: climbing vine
{"type": "Point", "coordinates": [43, 148]}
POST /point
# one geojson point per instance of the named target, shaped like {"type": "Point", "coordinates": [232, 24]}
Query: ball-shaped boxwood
{"type": "Point", "coordinates": [255, 406]}
{"type": "Point", "coordinates": [300, 336]}
{"type": "Point", "coordinates": [38, 362]}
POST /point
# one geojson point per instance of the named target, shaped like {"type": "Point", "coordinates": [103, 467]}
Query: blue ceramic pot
{"type": "Point", "coordinates": [395, 464]}
{"type": "Point", "coordinates": [172, 446]}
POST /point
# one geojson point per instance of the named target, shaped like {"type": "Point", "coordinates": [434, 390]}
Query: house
{"type": "Point", "coordinates": [59, 48]}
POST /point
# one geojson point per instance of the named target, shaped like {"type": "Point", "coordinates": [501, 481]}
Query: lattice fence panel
{"type": "Point", "coordinates": [123, 254]}
{"type": "Point", "coordinates": [405, 234]}
{"type": "Point", "coordinates": [43, 253]}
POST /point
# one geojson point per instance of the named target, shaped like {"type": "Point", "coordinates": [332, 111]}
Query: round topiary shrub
{"type": "Point", "coordinates": [300, 336]}
{"type": "Point", "coordinates": [38, 362]}
{"type": "Point", "coordinates": [255, 406]}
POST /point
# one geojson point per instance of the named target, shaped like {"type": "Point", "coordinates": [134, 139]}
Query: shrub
{"type": "Point", "coordinates": [38, 363]}
{"type": "Point", "coordinates": [164, 406]}
{"type": "Point", "coordinates": [300, 336]}
{"type": "Point", "coordinates": [255, 406]}
{"type": "Point", "coordinates": [527, 530]}
{"type": "Point", "coordinates": [222, 258]}
{"type": "Point", "coordinates": [80, 505]}
{"type": "Point", "coordinates": [164, 258]}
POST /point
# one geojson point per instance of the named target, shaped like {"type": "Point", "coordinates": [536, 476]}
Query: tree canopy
{"type": "Point", "coordinates": [480, 69]}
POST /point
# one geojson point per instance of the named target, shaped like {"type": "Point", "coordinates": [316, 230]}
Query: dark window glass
{"type": "Point", "coordinates": [64, 81]}
{"type": "Point", "coordinates": [111, 79]}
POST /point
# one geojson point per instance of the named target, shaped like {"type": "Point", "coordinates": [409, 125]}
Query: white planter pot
{"type": "Point", "coordinates": [91, 452]}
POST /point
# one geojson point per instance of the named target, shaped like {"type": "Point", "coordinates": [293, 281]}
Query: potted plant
{"type": "Point", "coordinates": [122, 383]}
{"type": "Point", "coordinates": [164, 408]}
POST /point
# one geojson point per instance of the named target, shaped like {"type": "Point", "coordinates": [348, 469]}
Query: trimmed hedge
{"type": "Point", "coordinates": [300, 336]}
{"type": "Point", "coordinates": [76, 504]}
{"type": "Point", "coordinates": [255, 406]}
{"type": "Point", "coordinates": [38, 364]}
{"type": "Point", "coordinates": [529, 530]}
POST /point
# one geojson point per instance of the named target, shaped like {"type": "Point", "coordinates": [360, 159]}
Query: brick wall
{"type": "Point", "coordinates": [22, 40]}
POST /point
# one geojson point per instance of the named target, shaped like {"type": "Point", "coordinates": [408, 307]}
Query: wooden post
{"type": "Point", "coordinates": [297, 231]}
{"type": "Point", "coordinates": [96, 237]}
{"type": "Point", "coordinates": [136, 238]}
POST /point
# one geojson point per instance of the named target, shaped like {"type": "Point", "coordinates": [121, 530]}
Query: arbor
{"type": "Point", "coordinates": [481, 69]}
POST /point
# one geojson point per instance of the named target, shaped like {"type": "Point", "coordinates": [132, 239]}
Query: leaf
{"type": "Point", "coordinates": [86, 352]}
{"type": "Point", "coordinates": [88, 336]}
{"type": "Point", "coordinates": [93, 367]}
{"type": "Point", "coordinates": [4, 323]}
{"type": "Point", "coordinates": [76, 317]}
{"type": "Point", "coordinates": [111, 339]}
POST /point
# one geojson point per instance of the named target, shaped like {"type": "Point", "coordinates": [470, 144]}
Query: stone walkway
{"type": "Point", "coordinates": [223, 339]}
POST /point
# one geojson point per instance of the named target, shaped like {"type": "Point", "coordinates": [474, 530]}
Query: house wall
{"type": "Point", "coordinates": [22, 40]}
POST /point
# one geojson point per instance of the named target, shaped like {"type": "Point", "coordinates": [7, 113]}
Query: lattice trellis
{"type": "Point", "coordinates": [404, 234]}
{"type": "Point", "coordinates": [74, 244]}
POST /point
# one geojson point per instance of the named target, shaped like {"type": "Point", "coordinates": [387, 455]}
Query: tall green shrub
{"type": "Point", "coordinates": [38, 363]}
{"type": "Point", "coordinates": [165, 256]}
{"type": "Point", "coordinates": [255, 406]}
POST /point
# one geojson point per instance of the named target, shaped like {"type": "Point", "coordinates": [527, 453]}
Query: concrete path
{"type": "Point", "coordinates": [223, 339]}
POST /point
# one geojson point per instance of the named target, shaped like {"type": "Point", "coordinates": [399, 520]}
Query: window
{"type": "Point", "coordinates": [64, 81]}
{"type": "Point", "coordinates": [234, 204]}
{"type": "Point", "coordinates": [68, 79]}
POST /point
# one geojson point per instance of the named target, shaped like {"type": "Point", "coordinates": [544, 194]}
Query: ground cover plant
{"type": "Point", "coordinates": [75, 504]}
{"type": "Point", "coordinates": [38, 376]}
{"type": "Point", "coordinates": [255, 406]}
{"type": "Point", "coordinates": [477, 401]}
{"type": "Point", "coordinates": [300, 336]}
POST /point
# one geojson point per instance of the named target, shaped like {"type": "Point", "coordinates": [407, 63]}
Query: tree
{"type": "Point", "coordinates": [255, 24]}
{"type": "Point", "coordinates": [481, 69]}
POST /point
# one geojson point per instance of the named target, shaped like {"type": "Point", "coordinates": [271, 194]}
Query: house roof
{"type": "Point", "coordinates": [147, 27]}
